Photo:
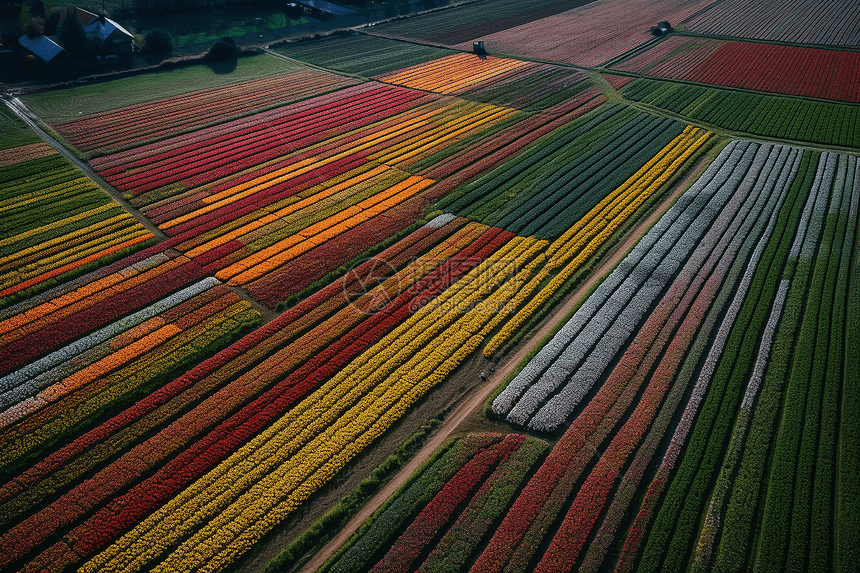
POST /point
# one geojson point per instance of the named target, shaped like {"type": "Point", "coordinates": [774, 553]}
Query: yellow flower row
{"type": "Point", "coordinates": [428, 140]}
{"type": "Point", "coordinates": [94, 230]}
{"type": "Point", "coordinates": [452, 74]}
{"type": "Point", "coordinates": [70, 255]}
{"type": "Point", "coordinates": [45, 228]}
{"type": "Point", "coordinates": [580, 242]}
{"type": "Point", "coordinates": [228, 510]}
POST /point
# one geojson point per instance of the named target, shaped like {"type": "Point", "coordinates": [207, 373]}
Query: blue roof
{"type": "Point", "coordinates": [41, 46]}
{"type": "Point", "coordinates": [327, 7]}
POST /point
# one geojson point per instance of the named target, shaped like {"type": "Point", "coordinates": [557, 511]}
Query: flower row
{"type": "Point", "coordinates": [453, 74]}
{"type": "Point", "coordinates": [570, 251]}
{"type": "Point", "coordinates": [672, 327]}
{"type": "Point", "coordinates": [135, 124]}
{"type": "Point", "coordinates": [404, 363]}
{"type": "Point", "coordinates": [617, 304]}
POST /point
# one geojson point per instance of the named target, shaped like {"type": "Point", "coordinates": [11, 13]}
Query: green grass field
{"type": "Point", "coordinates": [55, 105]}
{"type": "Point", "coordinates": [13, 131]}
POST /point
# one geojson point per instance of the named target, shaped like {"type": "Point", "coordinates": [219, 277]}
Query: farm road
{"type": "Point", "coordinates": [22, 111]}
{"type": "Point", "coordinates": [476, 400]}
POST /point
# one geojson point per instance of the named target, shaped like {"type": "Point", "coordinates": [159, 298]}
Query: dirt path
{"type": "Point", "coordinates": [476, 399]}
{"type": "Point", "coordinates": [22, 111]}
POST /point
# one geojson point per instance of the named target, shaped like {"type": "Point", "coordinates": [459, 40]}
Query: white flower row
{"type": "Point", "coordinates": [766, 344]}
{"type": "Point", "coordinates": [441, 220]}
{"type": "Point", "coordinates": [803, 243]}
{"type": "Point", "coordinates": [74, 284]}
{"type": "Point", "coordinates": [709, 222]}
{"type": "Point", "coordinates": [659, 255]}
{"type": "Point", "coordinates": [679, 437]}
{"type": "Point", "coordinates": [586, 314]}
{"type": "Point", "coordinates": [852, 212]}
{"type": "Point", "coordinates": [713, 516]}
{"type": "Point", "coordinates": [42, 373]}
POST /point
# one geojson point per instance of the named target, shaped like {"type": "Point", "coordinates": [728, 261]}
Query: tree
{"type": "Point", "coordinates": [223, 49]}
{"type": "Point", "coordinates": [37, 9]}
{"type": "Point", "coordinates": [52, 21]}
{"type": "Point", "coordinates": [157, 42]}
{"type": "Point", "coordinates": [70, 33]}
{"type": "Point", "coordinates": [35, 27]}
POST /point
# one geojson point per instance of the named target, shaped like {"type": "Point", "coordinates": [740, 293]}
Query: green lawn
{"type": "Point", "coordinates": [54, 105]}
{"type": "Point", "coordinates": [13, 131]}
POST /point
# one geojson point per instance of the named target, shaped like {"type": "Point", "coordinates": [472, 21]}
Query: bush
{"type": "Point", "coordinates": [35, 27]}
{"type": "Point", "coordinates": [157, 42]}
{"type": "Point", "coordinates": [223, 49]}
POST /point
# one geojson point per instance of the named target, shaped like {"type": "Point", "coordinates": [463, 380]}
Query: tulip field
{"type": "Point", "coordinates": [824, 22]}
{"type": "Point", "coordinates": [501, 81]}
{"type": "Point", "coordinates": [130, 126]}
{"type": "Point", "coordinates": [55, 222]}
{"type": "Point", "coordinates": [635, 259]}
{"type": "Point", "coordinates": [813, 72]}
{"type": "Point", "coordinates": [726, 270]}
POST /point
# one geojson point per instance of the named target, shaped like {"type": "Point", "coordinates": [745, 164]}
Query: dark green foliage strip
{"type": "Point", "coordinates": [847, 509]}
{"type": "Point", "coordinates": [826, 123]}
{"type": "Point", "coordinates": [685, 497]}
{"type": "Point", "coordinates": [821, 520]}
{"type": "Point", "coordinates": [565, 174]}
{"type": "Point", "coordinates": [481, 198]}
{"type": "Point", "coordinates": [456, 549]}
{"type": "Point", "coordinates": [362, 55]}
{"type": "Point", "coordinates": [380, 529]}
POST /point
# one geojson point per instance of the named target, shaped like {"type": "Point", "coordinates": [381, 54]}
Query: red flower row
{"type": "Point", "coordinates": [442, 509]}
{"type": "Point", "coordinates": [52, 336]}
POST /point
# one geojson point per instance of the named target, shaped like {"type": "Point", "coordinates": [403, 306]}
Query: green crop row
{"type": "Point", "coordinates": [743, 501]}
{"type": "Point", "coordinates": [676, 523]}
{"type": "Point", "coordinates": [24, 169]}
{"type": "Point", "coordinates": [501, 184]}
{"type": "Point", "coordinates": [789, 118]}
{"type": "Point", "coordinates": [361, 54]}
{"type": "Point", "coordinates": [789, 490]}
{"type": "Point", "coordinates": [822, 523]}
{"type": "Point", "coordinates": [376, 532]}
{"type": "Point", "coordinates": [794, 452]}
{"type": "Point", "coordinates": [847, 507]}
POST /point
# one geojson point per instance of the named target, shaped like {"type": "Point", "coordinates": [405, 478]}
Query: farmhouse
{"type": "Point", "coordinates": [109, 35]}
